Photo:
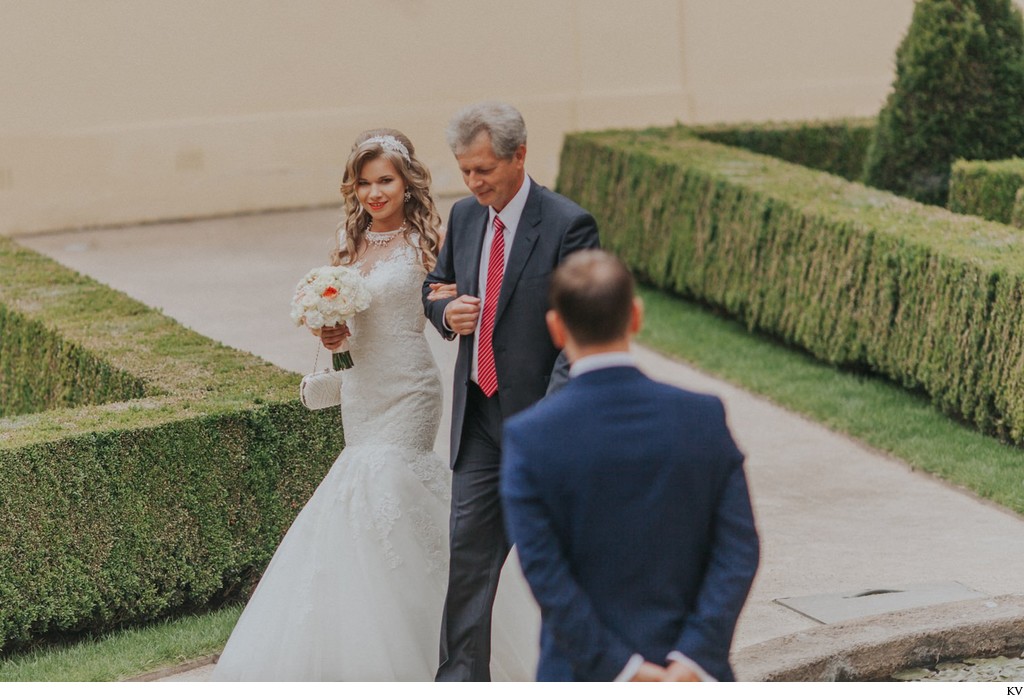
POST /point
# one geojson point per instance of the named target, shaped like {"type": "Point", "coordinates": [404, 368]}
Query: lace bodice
{"type": "Point", "coordinates": [393, 393]}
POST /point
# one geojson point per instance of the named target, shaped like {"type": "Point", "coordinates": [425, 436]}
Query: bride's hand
{"type": "Point", "coordinates": [439, 290]}
{"type": "Point", "coordinates": [334, 336]}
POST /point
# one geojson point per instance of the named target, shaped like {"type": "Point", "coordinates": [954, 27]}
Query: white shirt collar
{"type": "Point", "coordinates": [513, 211]}
{"type": "Point", "coordinates": [602, 360]}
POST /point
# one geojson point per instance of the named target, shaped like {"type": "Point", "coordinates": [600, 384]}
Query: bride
{"type": "Point", "coordinates": [356, 588]}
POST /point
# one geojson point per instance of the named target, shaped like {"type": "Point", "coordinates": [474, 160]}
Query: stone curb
{"type": "Point", "coordinates": [873, 648]}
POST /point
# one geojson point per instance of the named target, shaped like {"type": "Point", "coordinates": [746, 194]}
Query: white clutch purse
{"type": "Point", "coordinates": [321, 389]}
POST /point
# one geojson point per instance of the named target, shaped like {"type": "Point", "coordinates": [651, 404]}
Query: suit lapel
{"type": "Point", "coordinates": [476, 228]}
{"type": "Point", "coordinates": [522, 245]}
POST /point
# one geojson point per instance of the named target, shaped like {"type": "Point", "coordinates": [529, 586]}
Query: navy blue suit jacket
{"type": "Point", "coordinates": [628, 502]}
{"type": "Point", "coordinates": [551, 228]}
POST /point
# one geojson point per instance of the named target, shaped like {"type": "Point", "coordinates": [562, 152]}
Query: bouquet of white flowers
{"type": "Point", "coordinates": [329, 296]}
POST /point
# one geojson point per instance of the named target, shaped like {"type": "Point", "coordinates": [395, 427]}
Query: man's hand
{"type": "Point", "coordinates": [332, 337]}
{"type": "Point", "coordinates": [679, 672]}
{"type": "Point", "coordinates": [462, 314]}
{"type": "Point", "coordinates": [649, 672]}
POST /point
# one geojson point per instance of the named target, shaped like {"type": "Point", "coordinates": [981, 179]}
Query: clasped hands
{"type": "Point", "coordinates": [675, 672]}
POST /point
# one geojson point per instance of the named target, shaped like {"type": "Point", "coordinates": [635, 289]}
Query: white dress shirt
{"type": "Point", "coordinates": [510, 216]}
{"type": "Point", "coordinates": [601, 360]}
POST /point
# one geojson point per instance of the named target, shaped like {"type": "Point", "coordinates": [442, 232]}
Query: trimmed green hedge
{"type": "Point", "coordinates": [856, 276]}
{"type": "Point", "coordinates": [837, 147]}
{"type": "Point", "coordinates": [171, 494]}
{"type": "Point", "coordinates": [39, 371]}
{"type": "Point", "coordinates": [958, 93]}
{"type": "Point", "coordinates": [986, 188]}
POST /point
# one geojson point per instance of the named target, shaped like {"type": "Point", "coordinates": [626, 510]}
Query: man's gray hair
{"type": "Point", "coordinates": [501, 121]}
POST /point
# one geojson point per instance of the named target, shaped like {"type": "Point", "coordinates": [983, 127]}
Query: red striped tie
{"type": "Point", "coordinates": [486, 374]}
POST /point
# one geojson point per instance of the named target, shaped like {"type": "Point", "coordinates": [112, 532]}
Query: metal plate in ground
{"type": "Point", "coordinates": [837, 607]}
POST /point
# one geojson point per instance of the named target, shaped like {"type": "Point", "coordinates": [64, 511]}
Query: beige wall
{"type": "Point", "coordinates": [118, 111]}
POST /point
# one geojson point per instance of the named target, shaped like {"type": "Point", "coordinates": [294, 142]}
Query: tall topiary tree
{"type": "Point", "coordinates": [958, 93]}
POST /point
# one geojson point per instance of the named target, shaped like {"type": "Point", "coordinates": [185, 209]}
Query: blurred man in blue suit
{"type": "Point", "coordinates": [627, 500]}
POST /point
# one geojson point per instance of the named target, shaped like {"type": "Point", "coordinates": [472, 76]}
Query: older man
{"type": "Point", "coordinates": [502, 245]}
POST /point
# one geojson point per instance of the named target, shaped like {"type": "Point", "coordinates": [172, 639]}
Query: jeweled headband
{"type": "Point", "coordinates": [389, 143]}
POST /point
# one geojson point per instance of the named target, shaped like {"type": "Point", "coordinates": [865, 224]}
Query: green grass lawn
{"type": "Point", "coordinates": [870, 409]}
{"type": "Point", "coordinates": [126, 654]}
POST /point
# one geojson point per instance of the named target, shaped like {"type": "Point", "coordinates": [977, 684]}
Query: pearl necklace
{"type": "Point", "coordinates": [379, 239]}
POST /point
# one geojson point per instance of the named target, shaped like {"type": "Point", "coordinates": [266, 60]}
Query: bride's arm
{"type": "Point", "coordinates": [439, 290]}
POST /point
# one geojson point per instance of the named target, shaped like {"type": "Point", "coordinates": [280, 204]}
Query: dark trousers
{"type": "Point", "coordinates": [479, 545]}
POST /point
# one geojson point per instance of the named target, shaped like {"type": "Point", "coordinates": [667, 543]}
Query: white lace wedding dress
{"type": "Point", "coordinates": [356, 588]}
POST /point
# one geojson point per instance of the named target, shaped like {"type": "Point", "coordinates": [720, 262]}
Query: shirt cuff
{"type": "Point", "coordinates": [632, 666]}
{"type": "Point", "coordinates": [692, 665]}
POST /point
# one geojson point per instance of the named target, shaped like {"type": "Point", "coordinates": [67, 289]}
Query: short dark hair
{"type": "Point", "coordinates": [593, 293]}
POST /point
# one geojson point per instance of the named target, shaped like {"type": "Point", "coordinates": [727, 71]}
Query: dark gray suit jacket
{"type": "Point", "coordinates": [551, 228]}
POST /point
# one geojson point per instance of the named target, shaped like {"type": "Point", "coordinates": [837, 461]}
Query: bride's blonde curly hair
{"type": "Point", "coordinates": [420, 211]}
